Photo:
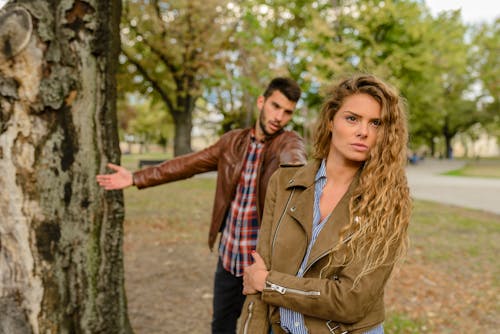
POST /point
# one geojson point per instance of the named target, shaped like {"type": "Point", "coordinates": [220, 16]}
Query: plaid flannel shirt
{"type": "Point", "coordinates": [239, 237]}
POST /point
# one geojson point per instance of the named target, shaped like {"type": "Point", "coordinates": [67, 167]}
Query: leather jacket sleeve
{"type": "Point", "coordinates": [181, 167]}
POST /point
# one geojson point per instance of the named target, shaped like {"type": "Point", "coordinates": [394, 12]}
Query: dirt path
{"type": "Point", "coordinates": [169, 286]}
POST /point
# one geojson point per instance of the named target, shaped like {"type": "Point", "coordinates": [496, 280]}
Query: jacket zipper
{"type": "Point", "coordinates": [279, 221]}
{"type": "Point", "coordinates": [250, 314]}
{"type": "Point", "coordinates": [282, 290]}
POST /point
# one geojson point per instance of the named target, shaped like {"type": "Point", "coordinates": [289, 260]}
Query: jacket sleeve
{"type": "Point", "coordinates": [328, 298]}
{"type": "Point", "coordinates": [293, 152]}
{"type": "Point", "coordinates": [181, 167]}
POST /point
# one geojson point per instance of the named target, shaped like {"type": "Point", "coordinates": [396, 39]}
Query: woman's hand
{"type": "Point", "coordinates": [255, 275]}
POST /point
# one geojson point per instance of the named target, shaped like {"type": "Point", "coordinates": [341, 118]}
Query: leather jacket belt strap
{"type": "Point", "coordinates": [332, 327]}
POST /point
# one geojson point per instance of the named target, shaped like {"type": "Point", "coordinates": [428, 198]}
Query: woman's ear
{"type": "Point", "coordinates": [330, 125]}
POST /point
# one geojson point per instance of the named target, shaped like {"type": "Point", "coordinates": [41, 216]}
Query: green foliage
{"type": "Point", "coordinates": [170, 48]}
{"type": "Point", "coordinates": [216, 56]}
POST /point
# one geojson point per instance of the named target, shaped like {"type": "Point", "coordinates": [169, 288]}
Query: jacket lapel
{"type": "Point", "coordinates": [330, 234]}
{"type": "Point", "coordinates": [300, 209]}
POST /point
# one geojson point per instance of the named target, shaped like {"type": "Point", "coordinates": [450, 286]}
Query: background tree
{"type": "Point", "coordinates": [486, 63]}
{"type": "Point", "coordinates": [427, 58]}
{"type": "Point", "coordinates": [433, 60]}
{"type": "Point", "coordinates": [61, 267]}
{"type": "Point", "coordinates": [173, 47]}
{"type": "Point", "coordinates": [264, 46]}
{"type": "Point", "coordinates": [151, 124]}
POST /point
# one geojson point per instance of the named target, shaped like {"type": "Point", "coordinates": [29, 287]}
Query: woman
{"type": "Point", "coordinates": [333, 229]}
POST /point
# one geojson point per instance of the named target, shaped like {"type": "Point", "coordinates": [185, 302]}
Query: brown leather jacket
{"type": "Point", "coordinates": [324, 297]}
{"type": "Point", "coordinates": [226, 157]}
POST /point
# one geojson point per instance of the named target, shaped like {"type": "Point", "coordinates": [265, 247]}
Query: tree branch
{"type": "Point", "coordinates": [156, 86]}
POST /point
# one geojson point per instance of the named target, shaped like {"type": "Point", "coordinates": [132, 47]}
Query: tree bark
{"type": "Point", "coordinates": [61, 265]}
{"type": "Point", "coordinates": [183, 126]}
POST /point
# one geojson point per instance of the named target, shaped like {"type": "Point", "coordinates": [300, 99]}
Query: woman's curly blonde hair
{"type": "Point", "coordinates": [380, 206]}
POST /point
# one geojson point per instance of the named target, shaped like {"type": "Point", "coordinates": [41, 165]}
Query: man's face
{"type": "Point", "coordinates": [275, 113]}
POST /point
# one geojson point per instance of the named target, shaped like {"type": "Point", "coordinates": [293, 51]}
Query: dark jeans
{"type": "Point", "coordinates": [228, 301]}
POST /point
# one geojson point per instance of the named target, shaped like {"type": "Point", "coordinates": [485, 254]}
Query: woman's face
{"type": "Point", "coordinates": [354, 128]}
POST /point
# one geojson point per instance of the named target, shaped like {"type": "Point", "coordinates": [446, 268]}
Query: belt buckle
{"type": "Point", "coordinates": [332, 327]}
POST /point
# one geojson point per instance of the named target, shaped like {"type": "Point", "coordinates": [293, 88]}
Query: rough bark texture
{"type": "Point", "coordinates": [61, 266]}
{"type": "Point", "coordinates": [183, 121]}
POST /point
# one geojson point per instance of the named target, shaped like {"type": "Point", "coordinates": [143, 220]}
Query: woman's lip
{"type": "Point", "coordinates": [360, 147]}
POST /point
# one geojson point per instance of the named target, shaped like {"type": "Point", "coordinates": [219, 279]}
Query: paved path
{"type": "Point", "coordinates": [426, 183]}
{"type": "Point", "coordinates": [470, 192]}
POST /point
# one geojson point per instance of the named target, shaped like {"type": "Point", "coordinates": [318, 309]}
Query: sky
{"type": "Point", "coordinates": [473, 11]}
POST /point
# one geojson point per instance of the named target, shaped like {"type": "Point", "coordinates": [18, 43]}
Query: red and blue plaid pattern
{"type": "Point", "coordinates": [239, 237]}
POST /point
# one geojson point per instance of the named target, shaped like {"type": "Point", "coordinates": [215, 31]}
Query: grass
{"type": "Point", "coordinates": [177, 211]}
{"type": "Point", "coordinates": [451, 272]}
{"type": "Point", "coordinates": [401, 323]}
{"type": "Point", "coordinates": [471, 237]}
{"type": "Point", "coordinates": [449, 282]}
{"type": "Point", "coordinates": [488, 168]}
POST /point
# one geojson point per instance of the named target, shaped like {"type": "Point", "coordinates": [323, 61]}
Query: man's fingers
{"type": "Point", "coordinates": [114, 167]}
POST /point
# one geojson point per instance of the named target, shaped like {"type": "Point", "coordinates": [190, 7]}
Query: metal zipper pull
{"type": "Point", "coordinates": [276, 287]}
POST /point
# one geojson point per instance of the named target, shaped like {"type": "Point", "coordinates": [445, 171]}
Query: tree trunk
{"type": "Point", "coordinates": [182, 138]}
{"type": "Point", "coordinates": [61, 265]}
{"type": "Point", "coordinates": [448, 154]}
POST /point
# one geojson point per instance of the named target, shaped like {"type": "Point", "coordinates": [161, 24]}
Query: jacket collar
{"type": "Point", "coordinates": [302, 211]}
{"type": "Point", "coordinates": [305, 175]}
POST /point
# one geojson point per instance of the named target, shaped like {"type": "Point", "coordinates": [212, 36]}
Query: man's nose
{"type": "Point", "coordinates": [278, 115]}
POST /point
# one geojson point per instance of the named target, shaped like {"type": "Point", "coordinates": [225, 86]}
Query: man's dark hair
{"type": "Point", "coordinates": [286, 86]}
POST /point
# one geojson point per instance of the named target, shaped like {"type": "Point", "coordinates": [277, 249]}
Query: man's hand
{"type": "Point", "coordinates": [254, 276]}
{"type": "Point", "coordinates": [119, 180]}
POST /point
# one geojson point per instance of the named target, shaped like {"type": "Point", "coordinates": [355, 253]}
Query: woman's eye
{"type": "Point", "coordinates": [376, 123]}
{"type": "Point", "coordinates": [350, 118]}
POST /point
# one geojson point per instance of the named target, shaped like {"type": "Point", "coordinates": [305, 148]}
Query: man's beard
{"type": "Point", "coordinates": [262, 124]}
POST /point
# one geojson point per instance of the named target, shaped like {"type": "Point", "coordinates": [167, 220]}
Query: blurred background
{"type": "Point", "coordinates": [191, 70]}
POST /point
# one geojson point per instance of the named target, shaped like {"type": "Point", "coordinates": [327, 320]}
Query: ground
{"type": "Point", "coordinates": [169, 268]}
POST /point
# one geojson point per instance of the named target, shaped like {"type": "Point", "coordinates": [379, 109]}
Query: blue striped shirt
{"type": "Point", "coordinates": [291, 321]}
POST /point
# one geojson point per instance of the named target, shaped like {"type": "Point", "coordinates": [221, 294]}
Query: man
{"type": "Point", "coordinates": [244, 160]}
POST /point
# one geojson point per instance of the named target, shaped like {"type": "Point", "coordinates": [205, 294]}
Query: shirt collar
{"type": "Point", "coordinates": [321, 173]}
{"type": "Point", "coordinates": [254, 138]}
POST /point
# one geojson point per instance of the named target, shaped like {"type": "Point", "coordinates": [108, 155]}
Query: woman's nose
{"type": "Point", "coordinates": [362, 130]}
